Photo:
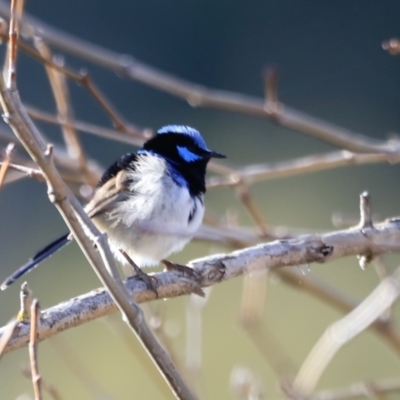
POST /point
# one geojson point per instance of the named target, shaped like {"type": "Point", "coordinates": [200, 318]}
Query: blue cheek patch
{"type": "Point", "coordinates": [187, 155]}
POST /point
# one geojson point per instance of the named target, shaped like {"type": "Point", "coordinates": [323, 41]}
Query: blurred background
{"type": "Point", "coordinates": [331, 66]}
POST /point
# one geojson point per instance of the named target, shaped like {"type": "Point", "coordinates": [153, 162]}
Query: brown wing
{"type": "Point", "coordinates": [112, 191]}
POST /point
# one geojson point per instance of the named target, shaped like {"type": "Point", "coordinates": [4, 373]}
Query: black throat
{"type": "Point", "coordinates": [184, 172]}
{"type": "Point", "coordinates": [193, 174]}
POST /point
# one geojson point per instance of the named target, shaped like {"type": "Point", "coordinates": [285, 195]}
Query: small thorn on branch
{"type": "Point", "coordinates": [364, 260]}
{"type": "Point", "coordinates": [365, 211]}
{"type": "Point", "coordinates": [10, 149]}
{"type": "Point", "coordinates": [365, 223]}
{"type": "Point", "coordinates": [49, 152]}
{"type": "Point", "coordinates": [25, 296]}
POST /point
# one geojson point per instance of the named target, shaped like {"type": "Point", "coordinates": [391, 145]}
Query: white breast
{"type": "Point", "coordinates": [160, 217]}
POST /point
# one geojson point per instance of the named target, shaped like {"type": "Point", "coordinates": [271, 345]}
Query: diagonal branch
{"type": "Point", "coordinates": [344, 330]}
{"type": "Point", "coordinates": [80, 225]}
{"type": "Point", "coordinates": [361, 390]}
{"type": "Point", "coordinates": [61, 95]}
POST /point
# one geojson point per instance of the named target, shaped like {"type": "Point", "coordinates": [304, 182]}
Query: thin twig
{"type": "Point", "coordinates": [11, 62]}
{"type": "Point", "coordinates": [84, 127]}
{"type": "Point", "coordinates": [37, 174]}
{"type": "Point", "coordinates": [83, 79]}
{"type": "Point", "coordinates": [344, 330]}
{"type": "Point", "coordinates": [200, 96]}
{"type": "Point", "coordinates": [303, 165]}
{"type": "Point", "coordinates": [119, 123]}
{"type": "Point", "coordinates": [7, 334]}
{"type": "Point", "coordinates": [61, 96]}
{"type": "Point", "coordinates": [47, 387]}
{"type": "Point", "coordinates": [346, 161]}
{"type": "Point", "coordinates": [36, 378]}
{"type": "Point", "coordinates": [271, 93]}
{"type": "Point", "coordinates": [61, 157]}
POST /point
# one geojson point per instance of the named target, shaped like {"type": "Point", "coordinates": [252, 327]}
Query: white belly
{"type": "Point", "coordinates": [159, 219]}
{"type": "Point", "coordinates": [147, 242]}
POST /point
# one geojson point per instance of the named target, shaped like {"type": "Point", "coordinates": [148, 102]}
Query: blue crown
{"type": "Point", "coordinates": [185, 130]}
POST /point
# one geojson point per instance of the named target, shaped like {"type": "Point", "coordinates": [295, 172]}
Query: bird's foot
{"type": "Point", "coordinates": [185, 270]}
{"type": "Point", "coordinates": [150, 281]}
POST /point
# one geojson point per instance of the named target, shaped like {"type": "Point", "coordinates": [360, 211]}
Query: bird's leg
{"type": "Point", "coordinates": [147, 279]}
{"type": "Point", "coordinates": [184, 269]}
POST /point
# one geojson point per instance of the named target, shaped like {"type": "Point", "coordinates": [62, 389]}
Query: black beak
{"type": "Point", "coordinates": [214, 154]}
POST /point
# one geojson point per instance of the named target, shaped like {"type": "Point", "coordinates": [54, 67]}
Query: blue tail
{"type": "Point", "coordinates": [48, 251]}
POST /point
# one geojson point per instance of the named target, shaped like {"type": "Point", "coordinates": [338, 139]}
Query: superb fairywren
{"type": "Point", "coordinates": [150, 203]}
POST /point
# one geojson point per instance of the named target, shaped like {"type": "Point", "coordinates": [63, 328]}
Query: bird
{"type": "Point", "coordinates": [150, 203]}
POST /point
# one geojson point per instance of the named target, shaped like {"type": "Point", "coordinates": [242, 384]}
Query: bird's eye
{"type": "Point", "coordinates": [187, 154]}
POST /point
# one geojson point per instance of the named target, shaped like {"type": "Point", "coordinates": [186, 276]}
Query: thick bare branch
{"type": "Point", "coordinates": [383, 238]}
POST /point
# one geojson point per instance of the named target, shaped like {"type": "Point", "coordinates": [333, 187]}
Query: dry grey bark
{"type": "Point", "coordinates": [357, 241]}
